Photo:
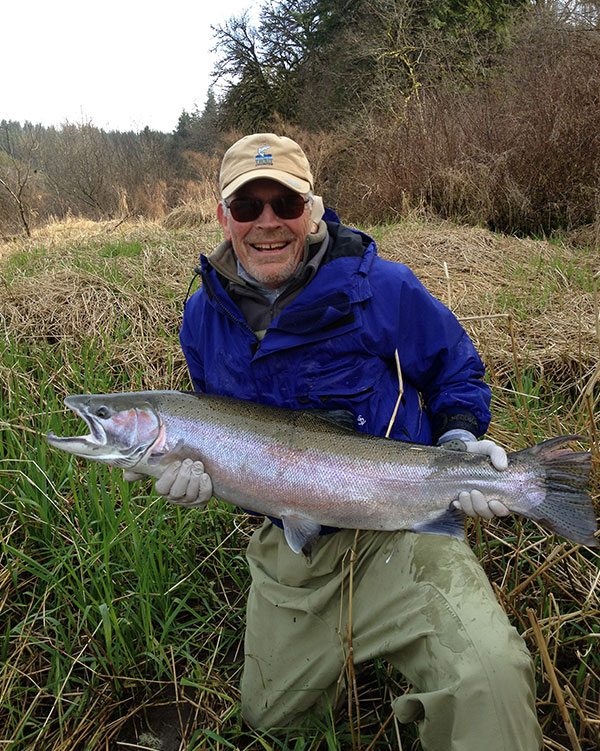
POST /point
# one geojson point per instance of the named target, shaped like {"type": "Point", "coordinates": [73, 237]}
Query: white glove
{"type": "Point", "coordinates": [472, 502]}
{"type": "Point", "coordinates": [184, 483]}
{"type": "Point", "coordinates": [463, 440]}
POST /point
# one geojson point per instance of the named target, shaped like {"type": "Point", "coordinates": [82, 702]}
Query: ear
{"type": "Point", "coordinates": [223, 218]}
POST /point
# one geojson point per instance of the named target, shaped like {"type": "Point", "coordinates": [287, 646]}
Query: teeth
{"type": "Point", "coordinates": [270, 246]}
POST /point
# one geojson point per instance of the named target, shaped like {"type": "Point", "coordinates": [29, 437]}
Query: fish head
{"type": "Point", "coordinates": [123, 428]}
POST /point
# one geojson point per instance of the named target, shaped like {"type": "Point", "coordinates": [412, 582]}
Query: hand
{"type": "Point", "coordinates": [130, 476]}
{"type": "Point", "coordinates": [472, 502]}
{"type": "Point", "coordinates": [488, 448]}
{"type": "Point", "coordinates": [463, 440]}
{"type": "Point", "coordinates": [184, 483]}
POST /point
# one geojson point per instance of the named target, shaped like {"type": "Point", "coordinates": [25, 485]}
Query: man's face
{"type": "Point", "coordinates": [269, 248]}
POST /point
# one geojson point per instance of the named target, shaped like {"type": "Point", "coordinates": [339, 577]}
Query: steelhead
{"type": "Point", "coordinates": [308, 471]}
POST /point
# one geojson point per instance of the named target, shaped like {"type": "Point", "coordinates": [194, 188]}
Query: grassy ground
{"type": "Point", "coordinates": [121, 616]}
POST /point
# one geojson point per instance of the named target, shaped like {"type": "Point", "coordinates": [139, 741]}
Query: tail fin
{"type": "Point", "coordinates": [567, 508]}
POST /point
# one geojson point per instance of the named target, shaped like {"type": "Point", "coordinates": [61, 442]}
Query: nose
{"type": "Point", "coordinates": [268, 217]}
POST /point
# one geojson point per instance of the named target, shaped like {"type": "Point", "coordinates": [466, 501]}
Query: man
{"type": "Point", "coordinates": [300, 312]}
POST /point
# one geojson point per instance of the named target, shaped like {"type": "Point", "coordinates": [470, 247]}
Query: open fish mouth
{"type": "Point", "coordinates": [84, 445]}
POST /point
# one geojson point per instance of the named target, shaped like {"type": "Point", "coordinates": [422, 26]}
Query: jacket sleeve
{"type": "Point", "coordinates": [188, 336]}
{"type": "Point", "coordinates": [439, 358]}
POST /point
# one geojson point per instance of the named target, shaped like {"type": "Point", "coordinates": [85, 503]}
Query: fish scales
{"type": "Point", "coordinates": [242, 465]}
{"type": "Point", "coordinates": [247, 460]}
{"type": "Point", "coordinates": [307, 471]}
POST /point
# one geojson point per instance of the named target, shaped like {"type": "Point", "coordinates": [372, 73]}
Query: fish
{"type": "Point", "coordinates": [306, 469]}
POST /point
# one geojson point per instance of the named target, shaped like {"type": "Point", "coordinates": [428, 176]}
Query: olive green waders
{"type": "Point", "coordinates": [422, 602]}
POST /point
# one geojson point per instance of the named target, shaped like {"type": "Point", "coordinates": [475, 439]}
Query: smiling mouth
{"type": "Point", "coordinates": [270, 247]}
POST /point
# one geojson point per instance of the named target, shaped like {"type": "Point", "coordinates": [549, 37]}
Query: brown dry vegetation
{"type": "Point", "coordinates": [520, 154]}
{"type": "Point", "coordinates": [530, 305]}
{"type": "Point", "coordinates": [497, 285]}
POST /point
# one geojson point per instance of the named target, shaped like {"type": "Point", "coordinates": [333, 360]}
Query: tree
{"type": "Point", "coordinates": [199, 131]}
{"type": "Point", "coordinates": [80, 162]}
{"type": "Point", "coordinates": [250, 99]}
{"type": "Point", "coordinates": [574, 13]}
{"type": "Point", "coordinates": [207, 129]}
{"type": "Point", "coordinates": [18, 150]}
{"type": "Point", "coordinates": [311, 62]}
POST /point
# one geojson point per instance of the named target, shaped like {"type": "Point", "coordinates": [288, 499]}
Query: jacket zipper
{"type": "Point", "coordinates": [227, 312]}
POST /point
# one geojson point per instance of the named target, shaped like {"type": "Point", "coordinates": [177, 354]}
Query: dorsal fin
{"type": "Point", "coordinates": [341, 418]}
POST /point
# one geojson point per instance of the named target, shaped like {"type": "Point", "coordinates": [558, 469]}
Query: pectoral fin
{"type": "Point", "coordinates": [299, 532]}
{"type": "Point", "coordinates": [167, 454]}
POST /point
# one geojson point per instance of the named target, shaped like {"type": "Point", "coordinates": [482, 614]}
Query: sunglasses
{"type": "Point", "coordinates": [249, 209]}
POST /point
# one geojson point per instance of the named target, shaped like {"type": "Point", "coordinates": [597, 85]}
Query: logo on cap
{"type": "Point", "coordinates": [263, 156]}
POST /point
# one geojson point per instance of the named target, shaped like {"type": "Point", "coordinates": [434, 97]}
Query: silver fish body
{"type": "Point", "coordinates": [308, 472]}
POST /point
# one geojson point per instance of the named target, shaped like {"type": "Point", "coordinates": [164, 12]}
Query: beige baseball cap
{"type": "Point", "coordinates": [265, 155]}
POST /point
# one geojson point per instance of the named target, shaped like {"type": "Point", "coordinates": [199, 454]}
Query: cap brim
{"type": "Point", "coordinates": [291, 182]}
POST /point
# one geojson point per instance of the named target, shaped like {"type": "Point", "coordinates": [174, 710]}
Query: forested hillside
{"type": "Point", "coordinates": [486, 112]}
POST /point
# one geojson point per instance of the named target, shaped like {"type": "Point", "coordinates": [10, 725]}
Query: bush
{"type": "Point", "coordinates": [520, 154]}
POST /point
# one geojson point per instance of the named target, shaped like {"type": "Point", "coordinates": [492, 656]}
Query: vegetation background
{"type": "Point", "coordinates": [464, 137]}
{"type": "Point", "coordinates": [486, 112]}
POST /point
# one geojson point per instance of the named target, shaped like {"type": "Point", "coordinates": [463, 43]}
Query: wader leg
{"type": "Point", "coordinates": [293, 653]}
{"type": "Point", "coordinates": [422, 602]}
{"type": "Point", "coordinates": [442, 627]}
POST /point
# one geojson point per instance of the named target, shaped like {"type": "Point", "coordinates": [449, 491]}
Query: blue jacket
{"type": "Point", "coordinates": [333, 347]}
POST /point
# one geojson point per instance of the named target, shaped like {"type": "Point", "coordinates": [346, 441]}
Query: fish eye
{"type": "Point", "coordinates": [103, 413]}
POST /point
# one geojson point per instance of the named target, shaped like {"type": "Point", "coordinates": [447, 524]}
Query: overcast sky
{"type": "Point", "coordinates": [121, 64]}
